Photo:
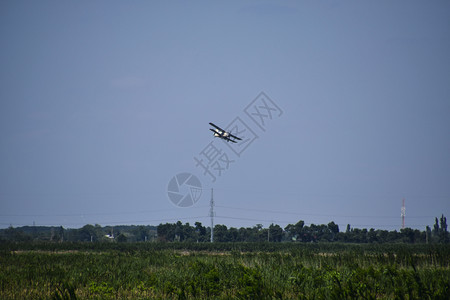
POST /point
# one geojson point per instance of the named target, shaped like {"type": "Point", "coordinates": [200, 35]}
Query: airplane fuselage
{"type": "Point", "coordinates": [219, 133]}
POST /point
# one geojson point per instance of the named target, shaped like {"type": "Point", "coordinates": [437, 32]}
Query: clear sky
{"type": "Point", "coordinates": [103, 102]}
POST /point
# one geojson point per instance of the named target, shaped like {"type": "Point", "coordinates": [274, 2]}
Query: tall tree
{"type": "Point", "coordinates": [436, 227]}
{"type": "Point", "coordinates": [275, 233]}
{"type": "Point", "coordinates": [334, 230]}
{"type": "Point", "coordinates": [443, 236]}
{"type": "Point", "coordinates": [427, 234]}
{"type": "Point", "coordinates": [372, 236]}
{"type": "Point", "coordinates": [221, 233]}
{"type": "Point", "coordinates": [348, 228]}
{"type": "Point", "coordinates": [201, 232]}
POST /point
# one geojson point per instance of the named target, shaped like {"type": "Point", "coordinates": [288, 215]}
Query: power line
{"type": "Point", "coordinates": [96, 214]}
{"type": "Point", "coordinates": [315, 215]}
{"type": "Point", "coordinates": [114, 222]}
{"type": "Point", "coordinates": [309, 224]}
{"type": "Point", "coordinates": [224, 217]}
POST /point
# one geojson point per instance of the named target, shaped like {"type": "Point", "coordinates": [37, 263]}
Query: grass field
{"type": "Point", "coordinates": [224, 271]}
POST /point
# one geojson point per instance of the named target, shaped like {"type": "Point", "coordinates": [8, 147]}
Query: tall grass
{"type": "Point", "coordinates": [226, 271]}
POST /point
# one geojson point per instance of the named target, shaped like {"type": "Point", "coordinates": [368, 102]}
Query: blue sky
{"type": "Point", "coordinates": [103, 102]}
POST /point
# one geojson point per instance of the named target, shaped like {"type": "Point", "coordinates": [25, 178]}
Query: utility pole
{"type": "Point", "coordinates": [403, 213]}
{"type": "Point", "coordinates": [211, 214]}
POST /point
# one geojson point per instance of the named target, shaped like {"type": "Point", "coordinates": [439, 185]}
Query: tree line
{"type": "Point", "coordinates": [300, 232]}
{"type": "Point", "coordinates": [88, 233]}
{"type": "Point", "coordinates": [179, 232]}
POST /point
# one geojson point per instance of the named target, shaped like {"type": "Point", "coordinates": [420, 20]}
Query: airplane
{"type": "Point", "coordinates": [220, 133]}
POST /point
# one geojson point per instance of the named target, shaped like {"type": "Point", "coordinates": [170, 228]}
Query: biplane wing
{"type": "Point", "coordinates": [233, 136]}
{"type": "Point", "coordinates": [213, 125]}
{"type": "Point", "coordinates": [225, 135]}
{"type": "Point", "coordinates": [228, 139]}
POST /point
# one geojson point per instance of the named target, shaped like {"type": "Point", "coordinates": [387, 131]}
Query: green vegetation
{"type": "Point", "coordinates": [176, 261]}
{"type": "Point", "coordinates": [224, 271]}
{"type": "Point", "coordinates": [88, 233]}
{"type": "Point", "coordinates": [179, 232]}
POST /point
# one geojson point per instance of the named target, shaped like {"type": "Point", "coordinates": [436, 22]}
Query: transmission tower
{"type": "Point", "coordinates": [211, 214]}
{"type": "Point", "coordinates": [403, 213]}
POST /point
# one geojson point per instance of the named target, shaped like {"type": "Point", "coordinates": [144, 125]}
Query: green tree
{"type": "Point", "coordinates": [295, 232]}
{"type": "Point", "coordinates": [334, 230]}
{"type": "Point", "coordinates": [122, 238]}
{"type": "Point", "coordinates": [179, 232]}
{"type": "Point", "coordinates": [372, 236]}
{"type": "Point", "coordinates": [88, 233]}
{"type": "Point", "coordinates": [436, 230]}
{"type": "Point", "coordinates": [407, 235]}
{"type": "Point", "coordinates": [382, 236]}
{"type": "Point", "coordinates": [348, 229]}
{"type": "Point", "coordinates": [141, 233]}
{"type": "Point", "coordinates": [275, 233]}
{"type": "Point", "coordinates": [221, 233]}
{"type": "Point", "coordinates": [244, 234]}
{"type": "Point", "coordinates": [200, 232]}
{"type": "Point", "coordinates": [166, 232]}
{"type": "Point", "coordinates": [61, 233]}
{"type": "Point", "coordinates": [16, 235]}
{"type": "Point", "coordinates": [443, 234]}
{"type": "Point", "coordinates": [233, 234]}
{"type": "Point", "coordinates": [428, 234]}
{"type": "Point", "coordinates": [290, 232]}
